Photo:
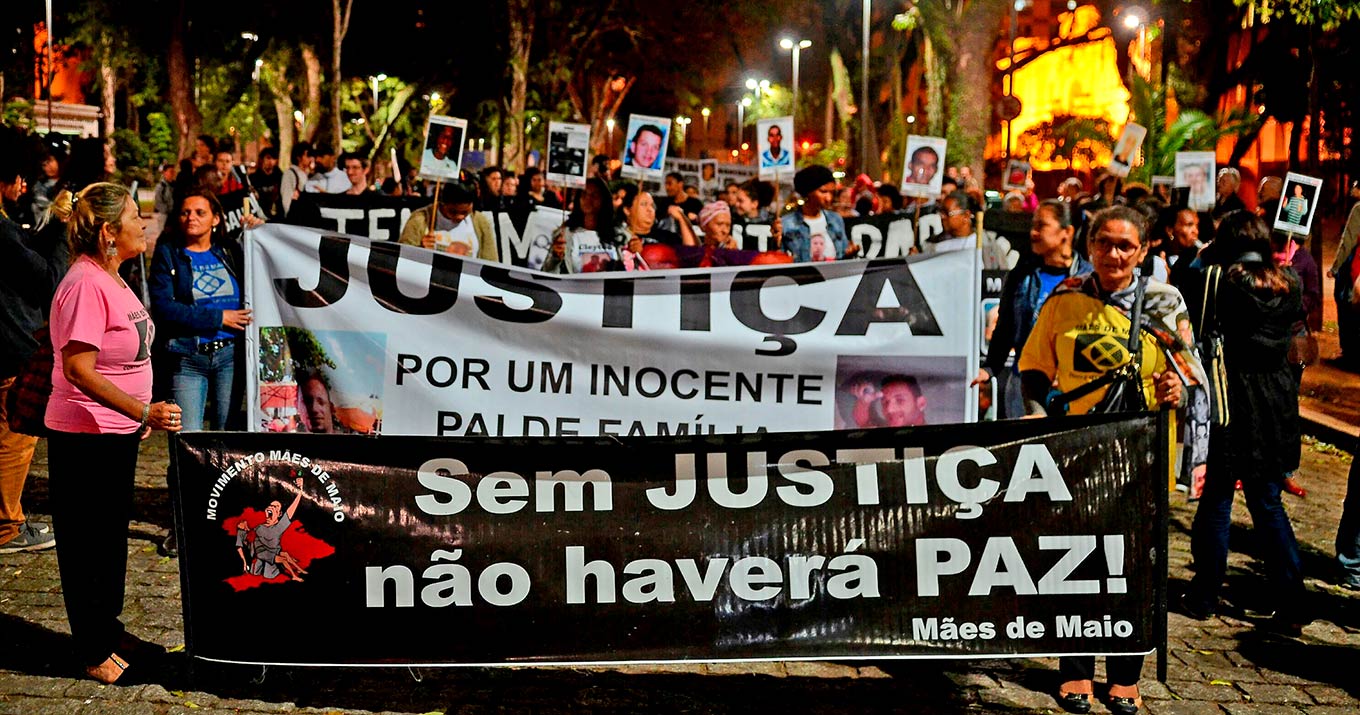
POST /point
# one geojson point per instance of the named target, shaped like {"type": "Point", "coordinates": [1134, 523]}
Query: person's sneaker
{"type": "Point", "coordinates": [29, 538]}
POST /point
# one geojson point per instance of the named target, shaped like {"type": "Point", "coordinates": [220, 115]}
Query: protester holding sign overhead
{"type": "Point", "coordinates": [1082, 336]}
{"type": "Point", "coordinates": [814, 232]}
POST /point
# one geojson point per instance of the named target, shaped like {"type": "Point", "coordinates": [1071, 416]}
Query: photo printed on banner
{"type": "Point", "coordinates": [645, 146]}
{"type": "Point", "coordinates": [923, 166]}
{"type": "Point", "coordinates": [321, 381]}
{"type": "Point", "coordinates": [568, 145]}
{"type": "Point", "coordinates": [774, 145]}
{"type": "Point", "coordinates": [877, 391]}
{"type": "Point", "coordinates": [1298, 204]}
{"type": "Point", "coordinates": [443, 153]}
{"type": "Point", "coordinates": [1195, 171]}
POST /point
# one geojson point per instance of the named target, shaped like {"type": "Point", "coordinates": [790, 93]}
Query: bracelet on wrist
{"type": "Point", "coordinates": [146, 415]}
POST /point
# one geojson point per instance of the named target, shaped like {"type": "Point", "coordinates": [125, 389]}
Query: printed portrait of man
{"type": "Point", "coordinates": [775, 154]}
{"type": "Point", "coordinates": [644, 149]}
{"type": "Point", "coordinates": [902, 402]}
{"type": "Point", "coordinates": [922, 167]}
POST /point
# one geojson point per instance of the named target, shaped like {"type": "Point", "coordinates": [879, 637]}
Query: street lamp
{"type": "Point", "coordinates": [683, 122]}
{"type": "Point", "coordinates": [864, 91]}
{"type": "Point", "coordinates": [705, 112]}
{"type": "Point", "coordinates": [376, 80]}
{"type": "Point", "coordinates": [797, 48]}
{"type": "Point", "coordinates": [609, 124]}
{"type": "Point", "coordinates": [741, 117]}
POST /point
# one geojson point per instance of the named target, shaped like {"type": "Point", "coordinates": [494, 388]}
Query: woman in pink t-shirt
{"type": "Point", "coordinates": [99, 412]}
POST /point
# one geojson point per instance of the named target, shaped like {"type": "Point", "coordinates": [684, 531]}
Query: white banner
{"type": "Point", "coordinates": [363, 336]}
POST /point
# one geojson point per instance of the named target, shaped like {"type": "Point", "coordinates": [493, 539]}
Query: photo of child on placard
{"type": "Point", "coordinates": [1195, 171]}
{"type": "Point", "coordinates": [1017, 174]}
{"type": "Point", "coordinates": [567, 148]}
{"type": "Point", "coordinates": [922, 174]}
{"type": "Point", "coordinates": [1298, 203]}
{"type": "Point", "coordinates": [709, 186]}
{"type": "Point", "coordinates": [1126, 149]}
{"type": "Point", "coordinates": [774, 145]}
{"type": "Point", "coordinates": [443, 153]}
{"type": "Point", "coordinates": [644, 151]}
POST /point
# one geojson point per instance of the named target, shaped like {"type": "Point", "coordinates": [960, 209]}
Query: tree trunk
{"type": "Point", "coordinates": [108, 91]}
{"type": "Point", "coordinates": [339, 28]}
{"type": "Point", "coordinates": [187, 118]}
{"type": "Point", "coordinates": [311, 107]}
{"type": "Point", "coordinates": [970, 73]}
{"type": "Point", "coordinates": [275, 77]}
{"type": "Point", "coordinates": [522, 17]}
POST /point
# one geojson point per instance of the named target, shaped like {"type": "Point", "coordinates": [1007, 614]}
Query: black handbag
{"type": "Point", "coordinates": [1124, 384]}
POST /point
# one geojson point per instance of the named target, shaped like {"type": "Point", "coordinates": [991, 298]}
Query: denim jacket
{"type": "Point", "coordinates": [180, 323]}
{"type": "Point", "coordinates": [797, 241]}
{"type": "Point", "coordinates": [1019, 309]}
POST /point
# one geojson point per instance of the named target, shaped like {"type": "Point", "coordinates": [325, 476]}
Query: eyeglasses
{"type": "Point", "coordinates": [1120, 248]}
{"type": "Point", "coordinates": [957, 212]}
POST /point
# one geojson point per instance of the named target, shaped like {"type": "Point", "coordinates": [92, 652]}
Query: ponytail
{"type": "Point", "coordinates": [86, 213]}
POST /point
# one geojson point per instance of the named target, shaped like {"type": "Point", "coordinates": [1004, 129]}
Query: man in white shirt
{"type": "Point", "coordinates": [329, 178]}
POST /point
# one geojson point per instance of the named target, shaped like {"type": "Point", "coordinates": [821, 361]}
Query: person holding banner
{"type": "Point", "coordinates": [1027, 287]}
{"type": "Point", "coordinates": [589, 241]}
{"type": "Point", "coordinates": [99, 412]}
{"type": "Point", "coordinates": [639, 214]}
{"type": "Point", "coordinates": [1080, 337]}
{"type": "Point", "coordinates": [456, 228]}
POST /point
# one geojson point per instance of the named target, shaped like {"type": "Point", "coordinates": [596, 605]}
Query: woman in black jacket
{"type": "Point", "coordinates": [1254, 306]}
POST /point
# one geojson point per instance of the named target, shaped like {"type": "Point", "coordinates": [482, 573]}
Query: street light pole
{"type": "Point", "coordinates": [51, 67]}
{"type": "Point", "coordinates": [797, 48]}
{"type": "Point", "coordinates": [864, 92]}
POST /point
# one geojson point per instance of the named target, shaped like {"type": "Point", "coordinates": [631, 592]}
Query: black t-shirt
{"type": "Point", "coordinates": [267, 189]}
{"type": "Point", "coordinates": [691, 206]}
{"type": "Point", "coordinates": [660, 235]}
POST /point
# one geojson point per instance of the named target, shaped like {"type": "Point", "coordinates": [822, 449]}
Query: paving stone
{"type": "Point", "coordinates": [1014, 696]}
{"type": "Point", "coordinates": [818, 669]}
{"type": "Point", "coordinates": [1150, 689]}
{"type": "Point", "coordinates": [23, 705]}
{"type": "Point", "coordinates": [774, 669]}
{"type": "Point", "coordinates": [33, 685]}
{"type": "Point", "coordinates": [1269, 693]}
{"type": "Point", "coordinates": [1260, 709]}
{"type": "Point", "coordinates": [1198, 690]}
{"type": "Point", "coordinates": [1183, 707]}
{"type": "Point", "coordinates": [89, 689]}
{"type": "Point", "coordinates": [971, 680]}
{"type": "Point", "coordinates": [255, 706]}
{"type": "Point", "coordinates": [1328, 695]}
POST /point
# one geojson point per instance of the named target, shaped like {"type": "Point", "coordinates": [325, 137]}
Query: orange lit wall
{"type": "Point", "coordinates": [69, 81]}
{"type": "Point", "coordinates": [1080, 81]}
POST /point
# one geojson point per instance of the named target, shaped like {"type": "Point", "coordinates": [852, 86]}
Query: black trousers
{"type": "Point", "coordinates": [90, 478]}
{"type": "Point", "coordinates": [1119, 670]}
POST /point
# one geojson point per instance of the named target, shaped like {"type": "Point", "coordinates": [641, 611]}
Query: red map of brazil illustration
{"type": "Point", "coordinates": [303, 547]}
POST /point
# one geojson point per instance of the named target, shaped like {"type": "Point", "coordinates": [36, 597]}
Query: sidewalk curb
{"type": "Point", "coordinates": [1330, 430]}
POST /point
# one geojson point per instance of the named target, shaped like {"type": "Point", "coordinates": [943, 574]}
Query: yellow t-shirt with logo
{"type": "Point", "coordinates": [1078, 338]}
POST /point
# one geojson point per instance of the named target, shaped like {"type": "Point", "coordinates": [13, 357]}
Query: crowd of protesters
{"type": "Point", "coordinates": [68, 237]}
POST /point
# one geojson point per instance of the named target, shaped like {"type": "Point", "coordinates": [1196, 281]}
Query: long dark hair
{"type": "Point", "coordinates": [604, 216]}
{"type": "Point", "coordinates": [1242, 235]}
{"type": "Point", "coordinates": [214, 206]}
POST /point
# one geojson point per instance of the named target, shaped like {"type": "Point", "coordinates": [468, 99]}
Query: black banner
{"type": "Point", "coordinates": [1017, 538]}
{"type": "Point", "coordinates": [372, 215]}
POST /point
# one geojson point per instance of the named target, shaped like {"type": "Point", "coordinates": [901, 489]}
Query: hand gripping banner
{"type": "Point", "coordinates": [1019, 538]}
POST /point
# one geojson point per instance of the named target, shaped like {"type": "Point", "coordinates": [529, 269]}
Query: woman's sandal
{"type": "Point", "coordinates": [1125, 706]}
{"type": "Point", "coordinates": [109, 676]}
{"type": "Point", "coordinates": [1079, 703]}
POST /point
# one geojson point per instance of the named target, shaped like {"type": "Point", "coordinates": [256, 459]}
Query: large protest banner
{"type": "Point", "coordinates": [354, 335]}
{"type": "Point", "coordinates": [371, 215]}
{"type": "Point", "coordinates": [1020, 538]}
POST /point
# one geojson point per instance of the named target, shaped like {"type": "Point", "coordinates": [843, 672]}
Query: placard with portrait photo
{"type": "Point", "coordinates": [568, 145]}
{"type": "Point", "coordinates": [923, 166]}
{"type": "Point", "coordinates": [1017, 174]}
{"type": "Point", "coordinates": [1126, 149]}
{"type": "Point", "coordinates": [1298, 204]}
{"type": "Point", "coordinates": [443, 155]}
{"type": "Point", "coordinates": [1195, 171]}
{"type": "Point", "coordinates": [774, 148]}
{"type": "Point", "coordinates": [645, 145]}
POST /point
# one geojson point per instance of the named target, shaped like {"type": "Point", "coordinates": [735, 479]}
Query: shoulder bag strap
{"type": "Point", "coordinates": [1135, 344]}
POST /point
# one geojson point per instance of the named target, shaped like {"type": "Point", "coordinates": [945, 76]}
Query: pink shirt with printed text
{"type": "Point", "coordinates": [94, 308]}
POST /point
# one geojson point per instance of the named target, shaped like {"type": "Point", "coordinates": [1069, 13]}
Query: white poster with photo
{"type": "Point", "coordinates": [1195, 171]}
{"type": "Point", "coordinates": [443, 155]}
{"type": "Point", "coordinates": [923, 166]}
{"type": "Point", "coordinates": [568, 146]}
{"type": "Point", "coordinates": [645, 146]}
{"type": "Point", "coordinates": [1298, 204]}
{"type": "Point", "coordinates": [774, 148]}
{"type": "Point", "coordinates": [709, 183]}
{"type": "Point", "coordinates": [360, 336]}
{"type": "Point", "coordinates": [1126, 149]}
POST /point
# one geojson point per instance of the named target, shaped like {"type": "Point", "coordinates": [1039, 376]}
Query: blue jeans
{"type": "Point", "coordinates": [198, 376]}
{"type": "Point", "coordinates": [1348, 533]}
{"type": "Point", "coordinates": [1270, 524]}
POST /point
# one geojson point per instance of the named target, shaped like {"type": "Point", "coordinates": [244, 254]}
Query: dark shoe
{"type": "Point", "coordinates": [169, 547]}
{"type": "Point", "coordinates": [1125, 706]}
{"type": "Point", "coordinates": [1192, 608]}
{"type": "Point", "coordinates": [1079, 703]}
{"type": "Point", "coordinates": [139, 649]}
{"type": "Point", "coordinates": [31, 537]}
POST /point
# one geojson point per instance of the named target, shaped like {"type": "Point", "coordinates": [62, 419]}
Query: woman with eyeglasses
{"type": "Point", "coordinates": [1088, 309]}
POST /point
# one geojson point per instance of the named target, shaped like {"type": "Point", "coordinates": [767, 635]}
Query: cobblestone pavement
{"type": "Point", "coordinates": [1218, 666]}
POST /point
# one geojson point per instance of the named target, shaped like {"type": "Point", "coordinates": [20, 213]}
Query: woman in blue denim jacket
{"type": "Point", "coordinates": [814, 232]}
{"type": "Point", "coordinates": [196, 294]}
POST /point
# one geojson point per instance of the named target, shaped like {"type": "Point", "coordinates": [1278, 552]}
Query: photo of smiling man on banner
{"type": "Point", "coordinates": [645, 152]}
{"type": "Point", "coordinates": [443, 153]}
